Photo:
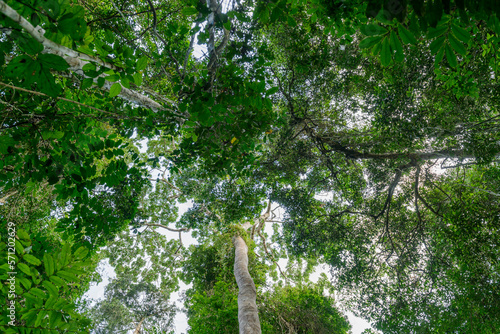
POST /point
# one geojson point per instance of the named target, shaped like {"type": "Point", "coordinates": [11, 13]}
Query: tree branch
{"type": "Point", "coordinates": [38, 35]}
{"type": "Point", "coordinates": [184, 229]}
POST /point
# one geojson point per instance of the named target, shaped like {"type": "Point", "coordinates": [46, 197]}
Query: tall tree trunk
{"type": "Point", "coordinates": [138, 328]}
{"type": "Point", "coordinates": [248, 315]}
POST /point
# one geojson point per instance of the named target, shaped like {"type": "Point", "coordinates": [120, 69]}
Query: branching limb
{"type": "Point", "coordinates": [270, 255]}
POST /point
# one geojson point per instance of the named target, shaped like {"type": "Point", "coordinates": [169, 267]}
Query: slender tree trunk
{"type": "Point", "coordinates": [248, 315]}
{"type": "Point", "coordinates": [138, 328]}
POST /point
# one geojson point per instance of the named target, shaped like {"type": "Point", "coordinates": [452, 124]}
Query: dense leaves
{"type": "Point", "coordinates": [372, 124]}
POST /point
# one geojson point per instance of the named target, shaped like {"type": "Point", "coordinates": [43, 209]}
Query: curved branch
{"type": "Point", "coordinates": [184, 229]}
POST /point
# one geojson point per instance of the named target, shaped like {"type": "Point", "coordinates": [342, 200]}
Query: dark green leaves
{"type": "Point", "coordinates": [451, 57]}
{"type": "Point", "coordinates": [368, 42]}
{"type": "Point", "coordinates": [385, 53]}
{"type": "Point", "coordinates": [456, 45]}
{"type": "Point", "coordinates": [29, 44]}
{"type": "Point", "coordinates": [47, 84]}
{"type": "Point", "coordinates": [188, 11]}
{"type": "Point", "coordinates": [373, 30]}
{"type": "Point", "coordinates": [406, 36]}
{"type": "Point", "coordinates": [437, 44]}
{"type": "Point", "coordinates": [73, 25]}
{"type": "Point", "coordinates": [18, 66]}
{"type": "Point", "coordinates": [54, 62]}
{"type": "Point", "coordinates": [462, 34]}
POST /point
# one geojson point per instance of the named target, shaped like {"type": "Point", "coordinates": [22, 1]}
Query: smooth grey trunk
{"type": "Point", "coordinates": [248, 315]}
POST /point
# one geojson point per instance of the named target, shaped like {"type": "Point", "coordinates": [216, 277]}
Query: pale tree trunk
{"type": "Point", "coordinates": [138, 328]}
{"type": "Point", "coordinates": [248, 315]}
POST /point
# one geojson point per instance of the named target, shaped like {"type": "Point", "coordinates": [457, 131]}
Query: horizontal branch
{"type": "Point", "coordinates": [184, 229]}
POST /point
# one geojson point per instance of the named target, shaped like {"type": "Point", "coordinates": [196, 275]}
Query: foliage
{"type": "Point", "coordinates": [388, 107]}
{"type": "Point", "coordinates": [300, 309]}
{"type": "Point", "coordinates": [128, 305]}
{"type": "Point", "coordinates": [43, 294]}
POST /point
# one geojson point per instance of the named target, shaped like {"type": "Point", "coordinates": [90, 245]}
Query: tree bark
{"type": "Point", "coordinates": [139, 325]}
{"type": "Point", "coordinates": [248, 315]}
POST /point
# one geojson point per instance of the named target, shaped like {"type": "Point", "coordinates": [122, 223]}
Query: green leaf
{"type": "Point", "coordinates": [51, 288]}
{"type": "Point", "coordinates": [64, 256]}
{"type": "Point", "coordinates": [81, 252]}
{"type": "Point", "coordinates": [67, 276]}
{"type": "Point", "coordinates": [19, 248]}
{"type": "Point", "coordinates": [125, 83]}
{"type": "Point", "coordinates": [18, 66]}
{"type": "Point", "coordinates": [451, 57]}
{"type": "Point", "coordinates": [26, 282]}
{"type": "Point", "coordinates": [462, 34]}
{"type": "Point", "coordinates": [113, 78]}
{"type": "Point", "coordinates": [291, 21]}
{"type": "Point", "coordinates": [385, 53]}
{"type": "Point", "coordinates": [368, 42]}
{"type": "Point", "coordinates": [29, 316]}
{"type": "Point", "coordinates": [100, 82]}
{"type": "Point", "coordinates": [57, 281]}
{"type": "Point", "coordinates": [29, 44]}
{"type": "Point", "coordinates": [24, 268]}
{"type": "Point", "coordinates": [406, 36]}
{"type": "Point", "coordinates": [37, 292]}
{"type": "Point", "coordinates": [264, 15]}
{"type": "Point", "coordinates": [439, 57]}
{"type": "Point", "coordinates": [137, 79]}
{"type": "Point", "coordinates": [89, 67]}
{"type": "Point", "coordinates": [188, 11]}
{"type": "Point", "coordinates": [51, 301]}
{"type": "Point", "coordinates": [53, 61]}
{"type": "Point", "coordinates": [55, 319]}
{"type": "Point", "coordinates": [456, 45]}
{"type": "Point", "coordinates": [109, 36]}
{"type": "Point", "coordinates": [5, 143]}
{"type": "Point", "coordinates": [373, 30]}
{"type": "Point", "coordinates": [437, 44]}
{"type": "Point", "coordinates": [74, 26]}
{"type": "Point", "coordinates": [115, 89]}
{"type": "Point", "coordinates": [47, 83]}
{"type": "Point", "coordinates": [39, 317]}
{"type": "Point", "coordinates": [397, 46]}
{"type": "Point", "coordinates": [142, 63]}
{"type": "Point", "coordinates": [436, 32]}
{"type": "Point", "coordinates": [22, 234]}
{"type": "Point", "coordinates": [31, 259]}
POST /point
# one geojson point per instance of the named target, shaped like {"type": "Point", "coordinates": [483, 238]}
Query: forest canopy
{"type": "Point", "coordinates": [373, 126]}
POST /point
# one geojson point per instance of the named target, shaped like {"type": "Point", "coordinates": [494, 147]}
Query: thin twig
{"type": "Point", "coordinates": [60, 98]}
